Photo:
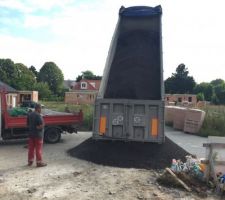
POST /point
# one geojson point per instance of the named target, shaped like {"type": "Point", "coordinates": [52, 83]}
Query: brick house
{"type": "Point", "coordinates": [15, 97]}
{"type": "Point", "coordinates": [27, 95]}
{"type": "Point", "coordinates": [11, 94]}
{"type": "Point", "coordinates": [83, 92]}
{"type": "Point", "coordinates": [181, 99]}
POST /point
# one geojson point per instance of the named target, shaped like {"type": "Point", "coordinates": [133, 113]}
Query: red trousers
{"type": "Point", "coordinates": [35, 144]}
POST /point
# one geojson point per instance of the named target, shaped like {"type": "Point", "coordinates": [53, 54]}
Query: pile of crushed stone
{"type": "Point", "coordinates": [128, 154]}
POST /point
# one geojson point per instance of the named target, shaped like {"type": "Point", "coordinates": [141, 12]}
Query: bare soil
{"type": "Point", "coordinates": [79, 168]}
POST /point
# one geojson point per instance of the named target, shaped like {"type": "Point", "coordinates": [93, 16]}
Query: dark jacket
{"type": "Point", "coordinates": [34, 119]}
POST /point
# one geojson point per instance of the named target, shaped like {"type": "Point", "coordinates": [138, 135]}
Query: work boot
{"type": "Point", "coordinates": [41, 164]}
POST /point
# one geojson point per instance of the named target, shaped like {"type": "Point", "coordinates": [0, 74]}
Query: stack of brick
{"type": "Point", "coordinates": [193, 120]}
{"type": "Point", "coordinates": [169, 113]}
{"type": "Point", "coordinates": [185, 119]}
{"type": "Point", "coordinates": [179, 117]}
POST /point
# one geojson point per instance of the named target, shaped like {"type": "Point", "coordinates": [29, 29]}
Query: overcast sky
{"type": "Point", "coordinates": [76, 34]}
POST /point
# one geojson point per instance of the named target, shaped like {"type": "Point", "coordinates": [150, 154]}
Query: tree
{"type": "Point", "coordinates": [217, 82]}
{"type": "Point", "coordinates": [221, 97]}
{"type": "Point", "coordinates": [215, 99]}
{"type": "Point", "coordinates": [53, 76]}
{"type": "Point", "coordinates": [200, 97]}
{"type": "Point", "coordinates": [206, 89]}
{"type": "Point", "coordinates": [218, 91]}
{"type": "Point", "coordinates": [43, 90]}
{"type": "Point", "coordinates": [88, 75]}
{"type": "Point", "coordinates": [33, 70]}
{"type": "Point", "coordinates": [79, 77]}
{"type": "Point", "coordinates": [25, 79]}
{"type": "Point", "coordinates": [180, 82]}
{"type": "Point", "coordinates": [8, 72]}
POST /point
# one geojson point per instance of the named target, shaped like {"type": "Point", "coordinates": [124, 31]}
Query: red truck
{"type": "Point", "coordinates": [16, 127]}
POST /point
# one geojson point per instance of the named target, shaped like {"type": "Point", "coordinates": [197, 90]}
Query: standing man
{"type": "Point", "coordinates": [36, 133]}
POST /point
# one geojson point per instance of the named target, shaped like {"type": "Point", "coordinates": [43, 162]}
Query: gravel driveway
{"type": "Point", "coordinates": [79, 168]}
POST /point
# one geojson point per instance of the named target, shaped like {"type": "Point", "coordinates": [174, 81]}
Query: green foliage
{"type": "Point", "coordinates": [221, 97]}
{"type": "Point", "coordinates": [62, 92]}
{"type": "Point", "coordinates": [215, 99]}
{"type": "Point", "coordinates": [51, 74]}
{"type": "Point", "coordinates": [25, 79]}
{"type": "Point", "coordinates": [88, 75]}
{"type": "Point", "coordinates": [200, 97]}
{"type": "Point", "coordinates": [54, 97]}
{"type": "Point", "coordinates": [206, 89]}
{"type": "Point", "coordinates": [180, 82]}
{"type": "Point", "coordinates": [16, 75]}
{"type": "Point", "coordinates": [8, 72]}
{"type": "Point", "coordinates": [218, 91]}
{"type": "Point", "coordinates": [214, 123]}
{"type": "Point", "coordinates": [217, 82]}
{"type": "Point", "coordinates": [79, 77]}
{"type": "Point", "coordinates": [43, 90]}
{"type": "Point", "coordinates": [34, 71]}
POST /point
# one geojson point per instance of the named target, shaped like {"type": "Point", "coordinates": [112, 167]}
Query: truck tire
{"type": "Point", "coordinates": [52, 135]}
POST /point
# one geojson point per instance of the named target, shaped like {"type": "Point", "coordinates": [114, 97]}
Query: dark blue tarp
{"type": "Point", "coordinates": [140, 11]}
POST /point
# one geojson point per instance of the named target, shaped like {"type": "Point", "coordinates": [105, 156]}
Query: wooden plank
{"type": "Point", "coordinates": [178, 180]}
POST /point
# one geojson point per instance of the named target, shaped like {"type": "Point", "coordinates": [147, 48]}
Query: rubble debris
{"type": "Point", "coordinates": [178, 180]}
{"type": "Point", "coordinates": [188, 175]}
{"type": "Point", "coordinates": [76, 173]}
{"type": "Point", "coordinates": [31, 190]}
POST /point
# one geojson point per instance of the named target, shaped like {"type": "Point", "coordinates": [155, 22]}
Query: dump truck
{"type": "Point", "coordinates": [130, 102]}
{"type": "Point", "coordinates": [15, 127]}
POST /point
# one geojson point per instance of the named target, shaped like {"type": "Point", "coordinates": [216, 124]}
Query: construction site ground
{"type": "Point", "coordinates": [80, 168]}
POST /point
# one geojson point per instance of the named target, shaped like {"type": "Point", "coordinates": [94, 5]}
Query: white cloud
{"type": "Point", "coordinates": [28, 6]}
{"type": "Point", "coordinates": [192, 34]}
{"type": "Point", "coordinates": [36, 22]}
{"type": "Point", "coordinates": [15, 4]}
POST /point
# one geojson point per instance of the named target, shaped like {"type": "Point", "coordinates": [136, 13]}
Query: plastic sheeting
{"type": "Point", "coordinates": [133, 68]}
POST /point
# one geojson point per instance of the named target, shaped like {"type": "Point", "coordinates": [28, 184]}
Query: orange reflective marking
{"type": "Point", "coordinates": [154, 131]}
{"type": "Point", "coordinates": [102, 125]}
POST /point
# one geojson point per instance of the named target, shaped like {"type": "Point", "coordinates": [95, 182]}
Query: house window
{"type": "Point", "coordinates": [83, 85]}
{"type": "Point", "coordinates": [189, 99]}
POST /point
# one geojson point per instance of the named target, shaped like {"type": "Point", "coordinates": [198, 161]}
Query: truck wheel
{"type": "Point", "coordinates": [52, 135]}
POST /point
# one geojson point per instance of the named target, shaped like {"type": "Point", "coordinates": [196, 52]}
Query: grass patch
{"type": "Point", "coordinates": [62, 107]}
{"type": "Point", "coordinates": [214, 123]}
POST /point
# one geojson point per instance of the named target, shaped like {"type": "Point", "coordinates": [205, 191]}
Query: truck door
{"type": "Point", "coordinates": [142, 122]}
{"type": "Point", "coordinates": [128, 120]}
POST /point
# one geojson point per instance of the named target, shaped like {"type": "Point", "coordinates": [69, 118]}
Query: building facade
{"type": "Point", "coordinates": [83, 92]}
{"type": "Point", "coordinates": [27, 96]}
{"type": "Point", "coordinates": [181, 99]}
{"type": "Point", "coordinates": [15, 97]}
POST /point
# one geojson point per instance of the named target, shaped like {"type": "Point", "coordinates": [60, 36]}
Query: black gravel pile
{"type": "Point", "coordinates": [129, 154]}
{"type": "Point", "coordinates": [135, 68]}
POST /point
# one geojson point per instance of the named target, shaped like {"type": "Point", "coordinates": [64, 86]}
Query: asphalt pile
{"type": "Point", "coordinates": [128, 154]}
{"type": "Point", "coordinates": [135, 64]}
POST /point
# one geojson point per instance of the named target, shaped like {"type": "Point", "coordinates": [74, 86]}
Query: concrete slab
{"type": "Point", "coordinates": [191, 143]}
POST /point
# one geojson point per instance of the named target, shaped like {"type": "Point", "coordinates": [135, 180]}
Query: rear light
{"type": "Point", "coordinates": [154, 127]}
{"type": "Point", "coordinates": [102, 126]}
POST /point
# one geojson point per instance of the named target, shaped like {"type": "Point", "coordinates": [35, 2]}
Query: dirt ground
{"type": "Point", "coordinates": [79, 168]}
